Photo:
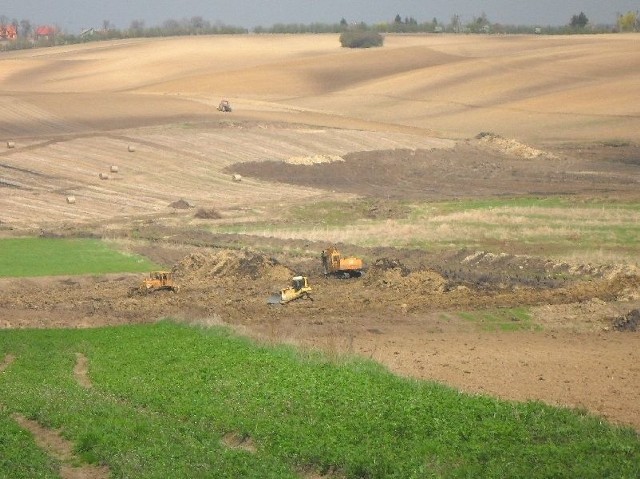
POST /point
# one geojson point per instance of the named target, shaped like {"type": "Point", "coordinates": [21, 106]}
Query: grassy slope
{"type": "Point", "coordinates": [164, 395]}
{"type": "Point", "coordinates": [566, 229]}
{"type": "Point", "coordinates": [22, 257]}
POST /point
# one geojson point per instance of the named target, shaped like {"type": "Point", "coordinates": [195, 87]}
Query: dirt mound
{"type": "Point", "coordinates": [513, 147]}
{"type": "Point", "coordinates": [628, 322]}
{"type": "Point", "coordinates": [207, 214]}
{"type": "Point", "coordinates": [392, 273]}
{"type": "Point", "coordinates": [386, 264]}
{"type": "Point", "coordinates": [313, 160]}
{"type": "Point", "coordinates": [230, 264]}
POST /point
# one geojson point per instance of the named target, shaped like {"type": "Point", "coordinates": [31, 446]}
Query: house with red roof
{"type": "Point", "coordinates": [46, 32]}
{"type": "Point", "coordinates": [8, 32]}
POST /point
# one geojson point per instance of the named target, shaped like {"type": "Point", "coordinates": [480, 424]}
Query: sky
{"type": "Point", "coordinates": [74, 15]}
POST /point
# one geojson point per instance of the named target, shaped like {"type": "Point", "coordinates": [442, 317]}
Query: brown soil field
{"type": "Point", "coordinates": [102, 139]}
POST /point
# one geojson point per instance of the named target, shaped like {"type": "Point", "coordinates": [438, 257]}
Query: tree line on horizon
{"type": "Point", "coordinates": [29, 38]}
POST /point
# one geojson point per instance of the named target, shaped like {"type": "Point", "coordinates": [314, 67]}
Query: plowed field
{"type": "Point", "coordinates": [121, 140]}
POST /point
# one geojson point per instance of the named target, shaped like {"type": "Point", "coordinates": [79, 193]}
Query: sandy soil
{"type": "Point", "coordinates": [557, 115]}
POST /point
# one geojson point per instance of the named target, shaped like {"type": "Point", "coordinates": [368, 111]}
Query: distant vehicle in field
{"type": "Point", "coordinates": [224, 106]}
{"type": "Point", "coordinates": [335, 265]}
{"type": "Point", "coordinates": [157, 281]}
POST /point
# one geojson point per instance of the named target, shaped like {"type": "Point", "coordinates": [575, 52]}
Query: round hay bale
{"type": "Point", "coordinates": [114, 169]}
{"type": "Point", "coordinates": [236, 177]}
{"type": "Point", "coordinates": [71, 200]}
{"type": "Point", "coordinates": [181, 204]}
{"type": "Point", "coordinates": [11, 144]}
{"type": "Point", "coordinates": [104, 176]}
{"type": "Point", "coordinates": [131, 148]}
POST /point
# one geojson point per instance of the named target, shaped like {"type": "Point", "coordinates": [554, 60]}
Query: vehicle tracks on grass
{"type": "Point", "coordinates": [81, 371]}
{"type": "Point", "coordinates": [6, 362]}
{"type": "Point", "coordinates": [52, 442]}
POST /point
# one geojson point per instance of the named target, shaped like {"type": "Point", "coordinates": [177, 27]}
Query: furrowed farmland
{"type": "Point", "coordinates": [486, 188]}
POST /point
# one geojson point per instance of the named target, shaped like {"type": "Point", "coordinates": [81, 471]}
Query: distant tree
{"type": "Point", "coordinates": [343, 24]}
{"type": "Point", "coordinates": [198, 24]}
{"type": "Point", "coordinates": [136, 28]}
{"type": "Point", "coordinates": [398, 19]}
{"type": "Point", "coordinates": [456, 23]}
{"type": "Point", "coordinates": [171, 27]}
{"type": "Point", "coordinates": [359, 38]}
{"type": "Point", "coordinates": [579, 21]}
{"type": "Point", "coordinates": [628, 22]}
{"type": "Point", "coordinates": [25, 28]}
{"type": "Point", "coordinates": [479, 24]}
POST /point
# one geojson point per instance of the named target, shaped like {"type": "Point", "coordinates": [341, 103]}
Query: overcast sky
{"type": "Point", "coordinates": [74, 15]}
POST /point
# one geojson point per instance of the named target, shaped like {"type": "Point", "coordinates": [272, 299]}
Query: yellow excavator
{"type": "Point", "coordinates": [336, 265]}
{"type": "Point", "coordinates": [299, 289]}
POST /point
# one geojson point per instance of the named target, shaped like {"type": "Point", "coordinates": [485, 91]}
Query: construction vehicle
{"type": "Point", "coordinates": [157, 281]}
{"type": "Point", "coordinates": [224, 106]}
{"type": "Point", "coordinates": [335, 265]}
{"type": "Point", "coordinates": [299, 289]}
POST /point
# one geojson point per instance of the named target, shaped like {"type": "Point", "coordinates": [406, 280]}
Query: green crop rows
{"type": "Point", "coordinates": [164, 395]}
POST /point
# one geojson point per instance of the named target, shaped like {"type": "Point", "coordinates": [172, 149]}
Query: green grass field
{"type": "Point", "coordinates": [24, 257]}
{"type": "Point", "coordinates": [164, 396]}
{"type": "Point", "coordinates": [502, 319]}
{"type": "Point", "coordinates": [567, 229]}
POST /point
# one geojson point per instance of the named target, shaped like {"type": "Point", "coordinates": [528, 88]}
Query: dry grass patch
{"type": "Point", "coordinates": [235, 440]}
{"type": "Point", "coordinates": [565, 232]}
{"type": "Point", "coordinates": [81, 371]}
{"type": "Point", "coordinates": [6, 362]}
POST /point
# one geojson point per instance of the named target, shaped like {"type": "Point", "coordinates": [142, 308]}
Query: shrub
{"type": "Point", "coordinates": [207, 214]}
{"type": "Point", "coordinates": [361, 39]}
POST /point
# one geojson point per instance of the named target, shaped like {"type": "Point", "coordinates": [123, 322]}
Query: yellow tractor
{"type": "Point", "coordinates": [157, 281]}
{"type": "Point", "coordinates": [299, 289]}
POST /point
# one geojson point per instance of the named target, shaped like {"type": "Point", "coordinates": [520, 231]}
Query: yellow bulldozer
{"type": "Point", "coordinates": [299, 289]}
{"type": "Point", "coordinates": [156, 281]}
{"type": "Point", "coordinates": [335, 265]}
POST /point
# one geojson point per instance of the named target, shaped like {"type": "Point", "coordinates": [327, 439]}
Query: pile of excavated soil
{"type": "Point", "coordinates": [312, 160]}
{"type": "Point", "coordinates": [181, 204]}
{"type": "Point", "coordinates": [513, 147]}
{"type": "Point", "coordinates": [628, 322]}
{"type": "Point", "coordinates": [229, 264]}
{"type": "Point", "coordinates": [391, 273]}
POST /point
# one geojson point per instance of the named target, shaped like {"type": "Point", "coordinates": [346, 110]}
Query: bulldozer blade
{"type": "Point", "coordinates": [274, 299]}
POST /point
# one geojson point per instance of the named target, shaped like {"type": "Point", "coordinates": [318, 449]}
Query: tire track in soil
{"type": "Point", "coordinates": [6, 362]}
{"type": "Point", "coordinates": [52, 442]}
{"type": "Point", "coordinates": [81, 371]}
